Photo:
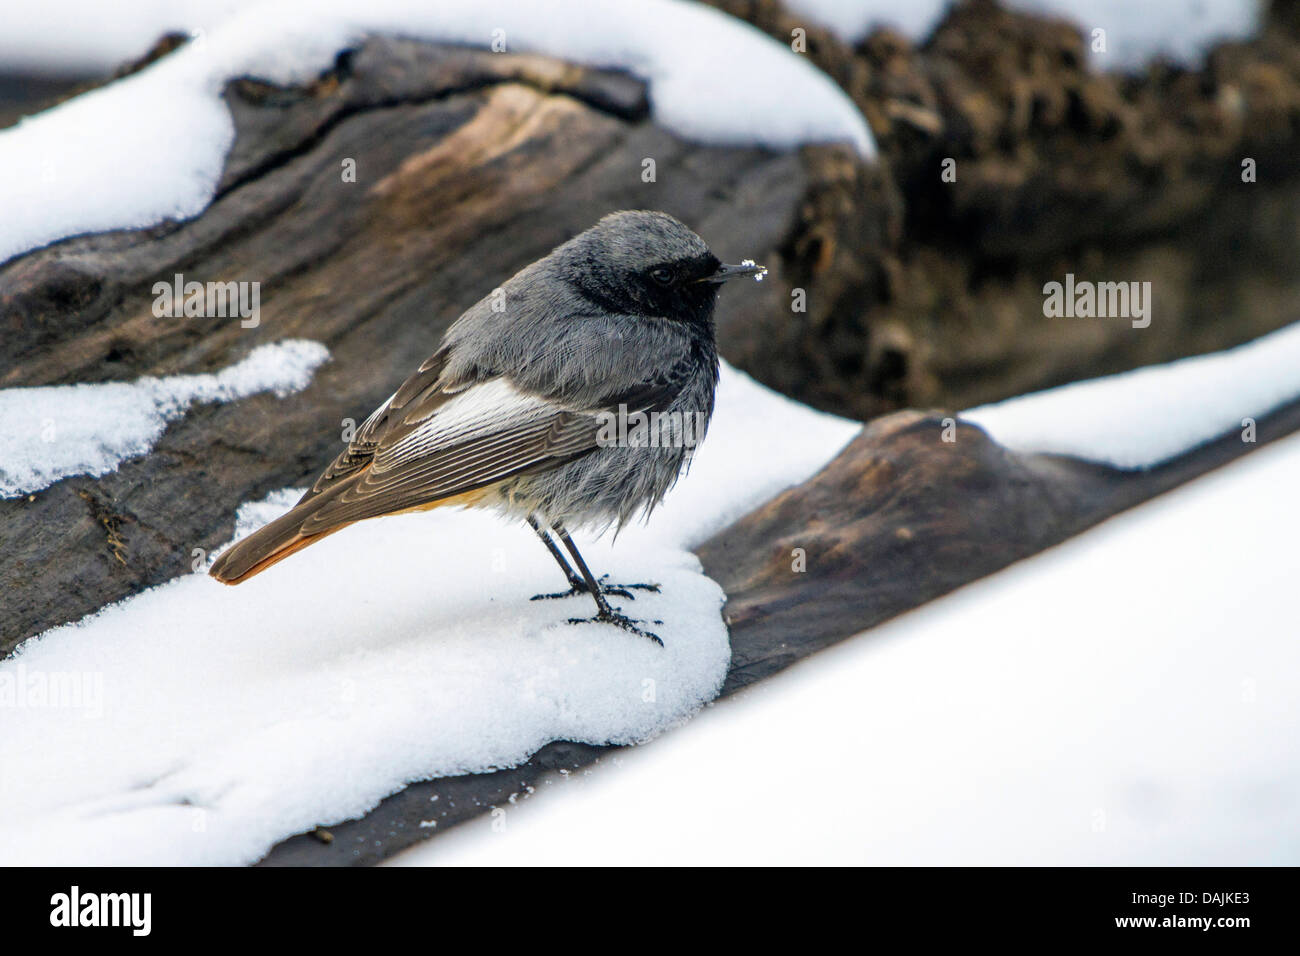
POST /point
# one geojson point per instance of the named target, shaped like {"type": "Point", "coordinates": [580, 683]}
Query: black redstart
{"type": "Point", "coordinates": [537, 401]}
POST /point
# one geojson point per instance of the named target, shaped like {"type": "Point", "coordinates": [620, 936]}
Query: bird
{"type": "Point", "coordinates": [523, 407]}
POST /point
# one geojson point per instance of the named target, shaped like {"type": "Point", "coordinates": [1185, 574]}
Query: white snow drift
{"type": "Point", "coordinates": [229, 718]}
{"type": "Point", "coordinates": [712, 78]}
{"type": "Point", "coordinates": [1127, 698]}
{"type": "Point", "coordinates": [407, 647]}
{"type": "Point", "coordinates": [55, 431]}
{"type": "Point", "coordinates": [1142, 418]}
{"type": "Point", "coordinates": [91, 36]}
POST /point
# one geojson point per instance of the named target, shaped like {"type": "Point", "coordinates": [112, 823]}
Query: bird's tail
{"type": "Point", "coordinates": [284, 536]}
{"type": "Point", "coordinates": [269, 545]}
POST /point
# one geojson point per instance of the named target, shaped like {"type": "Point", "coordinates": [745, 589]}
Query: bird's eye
{"type": "Point", "coordinates": [662, 276]}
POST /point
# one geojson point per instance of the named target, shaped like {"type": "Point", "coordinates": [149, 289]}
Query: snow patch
{"type": "Point", "coordinates": [1143, 418]}
{"type": "Point", "coordinates": [90, 36]}
{"type": "Point", "coordinates": [1125, 699]}
{"type": "Point", "coordinates": [55, 431]}
{"type": "Point", "coordinates": [712, 78]}
{"type": "Point", "coordinates": [399, 649]}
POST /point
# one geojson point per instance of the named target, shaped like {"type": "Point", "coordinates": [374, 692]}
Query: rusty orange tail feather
{"type": "Point", "coordinates": [292, 546]}
{"type": "Point", "coordinates": [282, 537]}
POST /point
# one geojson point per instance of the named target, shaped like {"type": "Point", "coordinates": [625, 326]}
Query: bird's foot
{"type": "Point", "coordinates": [580, 587]}
{"type": "Point", "coordinates": [574, 590]}
{"type": "Point", "coordinates": [625, 590]}
{"type": "Point", "coordinates": [619, 620]}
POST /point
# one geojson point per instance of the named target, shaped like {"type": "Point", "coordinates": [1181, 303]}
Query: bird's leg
{"type": "Point", "coordinates": [576, 584]}
{"type": "Point", "coordinates": [605, 613]}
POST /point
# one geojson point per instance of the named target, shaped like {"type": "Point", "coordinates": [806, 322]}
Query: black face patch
{"type": "Point", "coordinates": [674, 290]}
{"type": "Point", "coordinates": [667, 288]}
{"type": "Point", "coordinates": [681, 271]}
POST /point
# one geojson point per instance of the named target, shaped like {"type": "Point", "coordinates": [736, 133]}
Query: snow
{"type": "Point", "coordinates": [1135, 32]}
{"type": "Point", "coordinates": [1001, 724]}
{"type": "Point", "coordinates": [229, 718]}
{"type": "Point", "coordinates": [80, 35]}
{"type": "Point", "coordinates": [88, 36]}
{"type": "Point", "coordinates": [55, 431]}
{"type": "Point", "coordinates": [1142, 418]}
{"type": "Point", "coordinates": [712, 78]}
{"type": "Point", "coordinates": [1127, 698]}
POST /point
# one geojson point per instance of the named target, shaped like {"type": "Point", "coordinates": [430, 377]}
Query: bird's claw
{"type": "Point", "coordinates": [625, 590]}
{"type": "Point", "coordinates": [572, 592]}
{"type": "Point", "coordinates": [580, 587]}
{"type": "Point", "coordinates": [619, 620]}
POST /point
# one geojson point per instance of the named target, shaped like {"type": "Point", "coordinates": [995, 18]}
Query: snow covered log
{"type": "Point", "coordinates": [1066, 161]}
{"type": "Point", "coordinates": [468, 165]}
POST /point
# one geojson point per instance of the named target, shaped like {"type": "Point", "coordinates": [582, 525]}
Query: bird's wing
{"type": "Point", "coordinates": [489, 432]}
{"type": "Point", "coordinates": [414, 401]}
{"type": "Point", "coordinates": [466, 441]}
{"type": "Point", "coordinates": [456, 426]}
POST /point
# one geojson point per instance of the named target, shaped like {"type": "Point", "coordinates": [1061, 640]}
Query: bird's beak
{"type": "Point", "coordinates": [746, 268]}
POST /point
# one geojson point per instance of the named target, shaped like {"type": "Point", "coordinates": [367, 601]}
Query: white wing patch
{"type": "Point", "coordinates": [375, 415]}
{"type": "Point", "coordinates": [493, 406]}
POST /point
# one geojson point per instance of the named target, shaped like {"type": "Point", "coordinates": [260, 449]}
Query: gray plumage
{"type": "Point", "coordinates": [507, 413]}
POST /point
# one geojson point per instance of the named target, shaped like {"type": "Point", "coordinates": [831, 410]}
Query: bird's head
{"type": "Point", "coordinates": [648, 264]}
